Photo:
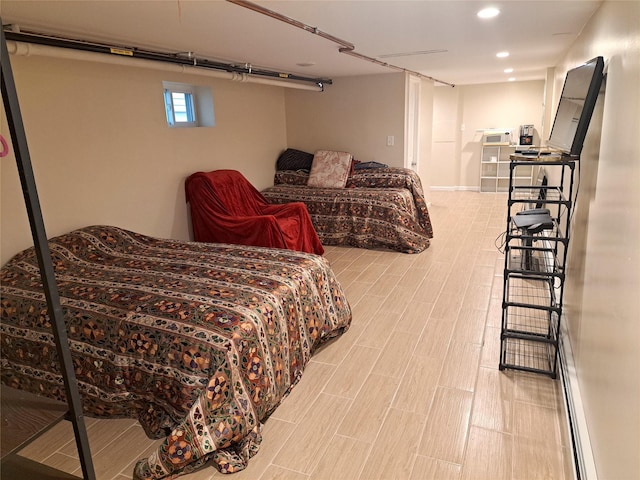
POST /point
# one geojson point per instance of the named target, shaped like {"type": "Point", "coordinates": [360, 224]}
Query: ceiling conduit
{"type": "Point", "coordinates": [54, 47]}
{"type": "Point", "coordinates": [345, 47]}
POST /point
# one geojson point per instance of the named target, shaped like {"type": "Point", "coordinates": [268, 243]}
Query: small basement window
{"type": "Point", "coordinates": [179, 108]}
{"type": "Point", "coordinates": [188, 105]}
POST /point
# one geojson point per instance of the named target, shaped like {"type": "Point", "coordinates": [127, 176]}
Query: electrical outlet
{"type": "Point", "coordinates": [390, 141]}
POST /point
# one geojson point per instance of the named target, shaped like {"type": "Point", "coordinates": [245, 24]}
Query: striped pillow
{"type": "Point", "coordinates": [292, 159]}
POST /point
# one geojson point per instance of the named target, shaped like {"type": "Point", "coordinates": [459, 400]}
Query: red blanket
{"type": "Point", "coordinates": [226, 208]}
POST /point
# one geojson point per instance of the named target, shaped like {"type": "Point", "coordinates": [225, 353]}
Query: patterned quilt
{"type": "Point", "coordinates": [379, 208]}
{"type": "Point", "coordinates": [199, 342]}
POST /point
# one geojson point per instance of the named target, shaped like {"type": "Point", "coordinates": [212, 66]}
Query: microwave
{"type": "Point", "coordinates": [498, 137]}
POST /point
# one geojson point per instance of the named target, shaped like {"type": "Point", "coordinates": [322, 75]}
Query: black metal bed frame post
{"type": "Point", "coordinates": [23, 160]}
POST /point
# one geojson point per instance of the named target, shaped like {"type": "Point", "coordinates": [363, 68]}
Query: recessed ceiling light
{"type": "Point", "coordinates": [488, 12]}
{"type": "Point", "coordinates": [512, 79]}
{"type": "Point", "coordinates": [305, 64]}
{"type": "Point", "coordinates": [508, 70]}
{"type": "Point", "coordinates": [502, 54]}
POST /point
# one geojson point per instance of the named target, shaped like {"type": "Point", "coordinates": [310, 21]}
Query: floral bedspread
{"type": "Point", "coordinates": [379, 208]}
{"type": "Point", "coordinates": [199, 342]}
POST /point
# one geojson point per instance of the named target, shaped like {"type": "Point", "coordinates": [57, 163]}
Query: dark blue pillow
{"type": "Point", "coordinates": [363, 165]}
{"type": "Point", "coordinates": [292, 159]}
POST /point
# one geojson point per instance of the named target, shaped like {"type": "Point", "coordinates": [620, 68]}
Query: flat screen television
{"type": "Point", "coordinates": [578, 99]}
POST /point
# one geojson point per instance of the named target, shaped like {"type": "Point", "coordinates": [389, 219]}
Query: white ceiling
{"type": "Point", "coordinates": [535, 32]}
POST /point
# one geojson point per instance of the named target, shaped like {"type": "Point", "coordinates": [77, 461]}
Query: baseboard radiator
{"type": "Point", "coordinates": [583, 462]}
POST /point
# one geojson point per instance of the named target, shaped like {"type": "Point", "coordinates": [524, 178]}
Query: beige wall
{"type": "Point", "coordinates": [459, 114]}
{"type": "Point", "coordinates": [102, 152]}
{"type": "Point", "coordinates": [603, 280]}
{"type": "Point", "coordinates": [355, 115]}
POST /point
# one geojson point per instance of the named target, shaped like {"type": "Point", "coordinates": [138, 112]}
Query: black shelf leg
{"type": "Point", "coordinates": [25, 170]}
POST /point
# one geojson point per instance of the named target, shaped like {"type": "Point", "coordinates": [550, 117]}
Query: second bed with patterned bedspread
{"type": "Point", "coordinates": [379, 208]}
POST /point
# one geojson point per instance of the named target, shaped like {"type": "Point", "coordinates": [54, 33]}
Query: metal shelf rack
{"type": "Point", "coordinates": [534, 269]}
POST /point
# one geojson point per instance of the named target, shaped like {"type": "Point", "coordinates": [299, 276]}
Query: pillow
{"type": "Point", "coordinates": [291, 177]}
{"type": "Point", "coordinates": [330, 169]}
{"type": "Point", "coordinates": [364, 165]}
{"type": "Point", "coordinates": [292, 159]}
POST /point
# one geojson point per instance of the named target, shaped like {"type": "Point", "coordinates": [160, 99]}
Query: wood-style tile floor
{"type": "Point", "coordinates": [412, 391]}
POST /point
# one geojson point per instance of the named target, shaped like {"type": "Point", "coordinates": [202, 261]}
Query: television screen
{"type": "Point", "coordinates": [579, 94]}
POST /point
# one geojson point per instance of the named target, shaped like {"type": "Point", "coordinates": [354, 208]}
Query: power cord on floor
{"type": "Point", "coordinates": [502, 238]}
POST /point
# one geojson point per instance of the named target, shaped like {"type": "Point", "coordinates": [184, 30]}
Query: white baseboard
{"type": "Point", "coordinates": [584, 464]}
{"type": "Point", "coordinates": [455, 189]}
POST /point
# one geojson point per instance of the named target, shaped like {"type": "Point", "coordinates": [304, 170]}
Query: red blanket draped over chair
{"type": "Point", "coordinates": [226, 208]}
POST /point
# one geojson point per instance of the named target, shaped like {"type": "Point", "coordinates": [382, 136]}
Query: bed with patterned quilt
{"type": "Point", "coordinates": [373, 208]}
{"type": "Point", "coordinates": [200, 342]}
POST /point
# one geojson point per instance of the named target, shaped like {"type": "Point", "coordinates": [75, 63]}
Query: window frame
{"type": "Point", "coordinates": [170, 110]}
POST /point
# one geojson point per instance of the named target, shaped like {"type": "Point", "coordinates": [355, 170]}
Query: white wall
{"type": "Point", "coordinates": [445, 154]}
{"type": "Point", "coordinates": [425, 165]}
{"type": "Point", "coordinates": [602, 301]}
{"type": "Point", "coordinates": [459, 114]}
{"type": "Point", "coordinates": [103, 154]}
